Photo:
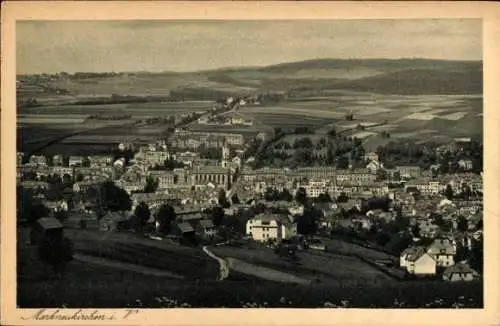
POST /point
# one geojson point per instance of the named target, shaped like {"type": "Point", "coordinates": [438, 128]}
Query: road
{"type": "Point", "coordinates": [223, 265]}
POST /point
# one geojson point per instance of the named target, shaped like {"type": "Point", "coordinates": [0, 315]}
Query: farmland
{"type": "Point", "coordinates": [319, 93]}
{"type": "Point", "coordinates": [444, 117]}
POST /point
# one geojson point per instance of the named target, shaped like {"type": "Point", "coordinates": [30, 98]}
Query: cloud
{"type": "Point", "coordinates": [52, 46]}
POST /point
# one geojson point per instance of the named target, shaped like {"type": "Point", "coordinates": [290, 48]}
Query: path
{"type": "Point", "coordinates": [223, 265]}
{"type": "Point", "coordinates": [125, 266]}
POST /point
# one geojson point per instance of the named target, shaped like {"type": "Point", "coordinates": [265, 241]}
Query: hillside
{"type": "Point", "coordinates": [383, 76]}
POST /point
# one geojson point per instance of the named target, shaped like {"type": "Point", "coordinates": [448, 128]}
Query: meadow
{"type": "Point", "coordinates": [326, 268]}
{"type": "Point", "coordinates": [89, 285]}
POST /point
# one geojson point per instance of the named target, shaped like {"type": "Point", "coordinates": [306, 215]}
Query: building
{"type": "Point", "coordinates": [38, 160]}
{"type": "Point", "coordinates": [426, 187]}
{"type": "Point", "coordinates": [216, 175]}
{"type": "Point", "coordinates": [151, 156]}
{"type": "Point", "coordinates": [164, 178]}
{"type": "Point", "coordinates": [374, 166]}
{"type": "Point", "coordinates": [270, 227]}
{"type": "Point", "coordinates": [57, 160]}
{"type": "Point", "coordinates": [98, 161]}
{"type": "Point", "coordinates": [417, 261]}
{"type": "Point", "coordinates": [443, 252]}
{"type": "Point", "coordinates": [226, 156]}
{"type": "Point", "coordinates": [207, 228]}
{"type": "Point", "coordinates": [75, 161]}
{"type": "Point", "coordinates": [187, 158]}
{"type": "Point", "coordinates": [459, 272]}
{"type": "Point", "coordinates": [465, 164]}
{"type": "Point", "coordinates": [371, 156]}
{"type": "Point", "coordinates": [46, 228]}
{"type": "Point", "coordinates": [408, 172]}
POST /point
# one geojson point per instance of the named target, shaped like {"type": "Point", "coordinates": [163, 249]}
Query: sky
{"type": "Point", "coordinates": [119, 46]}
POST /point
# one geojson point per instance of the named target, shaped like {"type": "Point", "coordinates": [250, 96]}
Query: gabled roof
{"type": "Point", "coordinates": [185, 227]}
{"type": "Point", "coordinates": [206, 224]}
{"type": "Point", "coordinates": [458, 268]}
{"type": "Point", "coordinates": [49, 223]}
{"type": "Point", "coordinates": [413, 253]}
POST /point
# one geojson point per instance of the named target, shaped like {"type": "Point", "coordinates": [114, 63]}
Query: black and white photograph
{"type": "Point", "coordinates": [249, 163]}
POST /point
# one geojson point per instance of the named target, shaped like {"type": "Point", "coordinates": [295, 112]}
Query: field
{"type": "Point", "coordinates": [141, 110]}
{"type": "Point", "coordinates": [441, 117]}
{"type": "Point", "coordinates": [444, 98]}
{"type": "Point", "coordinates": [327, 268]}
{"type": "Point", "coordinates": [87, 285]}
{"type": "Point", "coordinates": [40, 125]}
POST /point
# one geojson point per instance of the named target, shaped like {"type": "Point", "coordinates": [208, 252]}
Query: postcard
{"type": "Point", "coordinates": [192, 163]}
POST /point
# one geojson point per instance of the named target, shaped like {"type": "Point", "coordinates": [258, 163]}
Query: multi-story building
{"type": "Point", "coordinates": [426, 187]}
{"type": "Point", "coordinates": [465, 164]}
{"type": "Point", "coordinates": [409, 171]}
{"type": "Point", "coordinates": [216, 175]}
{"type": "Point", "coordinates": [443, 252]}
{"type": "Point", "coordinates": [265, 227]}
{"type": "Point", "coordinates": [164, 178]}
{"type": "Point", "coordinates": [75, 161]}
{"type": "Point", "coordinates": [38, 160]}
{"type": "Point", "coordinates": [97, 161]}
{"type": "Point", "coordinates": [150, 157]}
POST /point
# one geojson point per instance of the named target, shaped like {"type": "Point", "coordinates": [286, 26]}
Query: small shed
{"type": "Point", "coordinates": [46, 227]}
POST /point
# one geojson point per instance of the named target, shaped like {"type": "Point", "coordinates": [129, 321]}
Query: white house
{"type": "Point", "coordinates": [264, 227]}
{"type": "Point", "coordinates": [417, 261]}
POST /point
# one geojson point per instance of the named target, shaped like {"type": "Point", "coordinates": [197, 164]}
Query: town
{"type": "Point", "coordinates": [201, 188]}
{"type": "Point", "coordinates": [250, 164]}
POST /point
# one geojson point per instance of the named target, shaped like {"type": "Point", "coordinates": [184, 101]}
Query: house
{"type": "Point", "coordinates": [408, 171]}
{"type": "Point", "coordinates": [40, 160]}
{"type": "Point", "coordinates": [443, 252]}
{"type": "Point", "coordinates": [207, 228]}
{"type": "Point", "coordinates": [75, 161]}
{"type": "Point", "coordinates": [371, 156]}
{"type": "Point", "coordinates": [374, 166]}
{"type": "Point", "coordinates": [46, 228]}
{"type": "Point", "coordinates": [459, 272]}
{"type": "Point", "coordinates": [417, 261]}
{"type": "Point", "coordinates": [57, 160]}
{"type": "Point", "coordinates": [185, 229]}
{"type": "Point", "coordinates": [114, 221]}
{"type": "Point", "coordinates": [465, 164]}
{"type": "Point", "coordinates": [264, 227]}
{"type": "Point", "coordinates": [97, 161]}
